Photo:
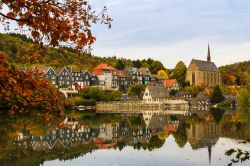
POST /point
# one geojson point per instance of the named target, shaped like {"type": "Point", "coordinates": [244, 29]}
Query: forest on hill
{"type": "Point", "coordinates": [21, 51]}
{"type": "Point", "coordinates": [236, 73]}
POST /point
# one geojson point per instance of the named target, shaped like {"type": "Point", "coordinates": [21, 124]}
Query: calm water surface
{"type": "Point", "coordinates": [151, 138]}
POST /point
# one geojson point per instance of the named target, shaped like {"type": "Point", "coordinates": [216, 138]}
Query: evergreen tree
{"type": "Point", "coordinates": [119, 65]}
{"type": "Point", "coordinates": [217, 95]}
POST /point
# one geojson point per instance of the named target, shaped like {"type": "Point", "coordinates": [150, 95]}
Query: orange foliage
{"type": "Point", "coordinates": [27, 91]}
{"type": "Point", "coordinates": [55, 20]}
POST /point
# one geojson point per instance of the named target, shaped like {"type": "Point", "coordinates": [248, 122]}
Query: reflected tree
{"type": "Point", "coordinates": [217, 114]}
{"type": "Point", "coordinates": [181, 136]}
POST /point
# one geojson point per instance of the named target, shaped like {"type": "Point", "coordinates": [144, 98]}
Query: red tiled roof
{"type": "Point", "coordinates": [104, 66]}
{"type": "Point", "coordinates": [169, 83]}
{"type": "Point", "coordinates": [170, 127]}
{"type": "Point", "coordinates": [98, 72]}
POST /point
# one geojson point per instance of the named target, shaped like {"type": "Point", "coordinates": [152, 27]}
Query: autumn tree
{"type": "Point", "coordinates": [26, 91]}
{"type": "Point", "coordinates": [49, 22]}
{"type": "Point", "coordinates": [54, 21]}
{"type": "Point", "coordinates": [162, 74]}
{"type": "Point", "coordinates": [179, 73]}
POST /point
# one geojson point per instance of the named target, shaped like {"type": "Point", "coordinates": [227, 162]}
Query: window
{"type": "Point", "coordinates": [87, 77]}
{"type": "Point", "coordinates": [193, 78]}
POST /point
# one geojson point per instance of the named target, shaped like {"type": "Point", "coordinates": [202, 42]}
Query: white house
{"type": "Point", "coordinates": [155, 94]}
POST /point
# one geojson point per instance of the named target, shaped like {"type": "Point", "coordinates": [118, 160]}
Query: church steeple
{"type": "Point", "coordinates": [209, 153]}
{"type": "Point", "coordinates": [208, 54]}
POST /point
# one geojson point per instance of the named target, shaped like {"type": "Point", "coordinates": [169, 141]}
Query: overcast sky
{"type": "Point", "coordinates": [174, 30]}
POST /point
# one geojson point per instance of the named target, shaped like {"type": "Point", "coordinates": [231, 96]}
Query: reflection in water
{"type": "Point", "coordinates": [25, 142]}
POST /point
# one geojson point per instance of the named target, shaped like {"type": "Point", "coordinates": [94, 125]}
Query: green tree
{"type": "Point", "coordinates": [145, 64]}
{"type": "Point", "coordinates": [156, 66]}
{"type": "Point", "coordinates": [137, 63]}
{"type": "Point", "coordinates": [136, 90]}
{"type": "Point", "coordinates": [179, 73]}
{"type": "Point", "coordinates": [119, 65]}
{"type": "Point", "coordinates": [217, 95]}
{"type": "Point", "coordinates": [181, 136]}
{"type": "Point", "coordinates": [96, 93]}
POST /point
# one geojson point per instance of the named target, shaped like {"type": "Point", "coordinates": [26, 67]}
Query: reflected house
{"type": "Point", "coordinates": [59, 137]}
{"type": "Point", "coordinates": [147, 115]}
{"type": "Point", "coordinates": [139, 134]}
{"type": "Point", "coordinates": [108, 131]}
{"type": "Point", "coordinates": [203, 134]}
{"type": "Point", "coordinates": [158, 123]}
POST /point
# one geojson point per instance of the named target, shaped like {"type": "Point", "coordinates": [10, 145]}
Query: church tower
{"type": "Point", "coordinates": [208, 54]}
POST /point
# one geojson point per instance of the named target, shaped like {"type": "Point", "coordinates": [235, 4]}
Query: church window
{"type": "Point", "coordinates": [193, 78]}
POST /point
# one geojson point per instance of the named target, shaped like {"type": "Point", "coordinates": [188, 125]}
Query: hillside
{"type": "Point", "coordinates": [20, 51]}
{"type": "Point", "coordinates": [236, 73]}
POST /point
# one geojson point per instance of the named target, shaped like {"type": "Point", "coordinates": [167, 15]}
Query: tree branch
{"type": "Point", "coordinates": [15, 19]}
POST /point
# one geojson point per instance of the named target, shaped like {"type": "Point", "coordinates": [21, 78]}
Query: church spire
{"type": "Point", "coordinates": [209, 153]}
{"type": "Point", "coordinates": [208, 54]}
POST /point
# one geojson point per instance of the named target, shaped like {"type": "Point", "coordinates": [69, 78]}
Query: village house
{"type": "Point", "coordinates": [171, 84]}
{"type": "Point", "coordinates": [94, 80]}
{"type": "Point", "coordinates": [81, 77]}
{"type": "Point", "coordinates": [64, 77]}
{"type": "Point", "coordinates": [146, 75]}
{"type": "Point", "coordinates": [47, 72]}
{"type": "Point", "coordinates": [203, 72]}
{"type": "Point", "coordinates": [155, 94]}
{"type": "Point", "coordinates": [134, 75]}
{"type": "Point", "coordinates": [120, 80]}
{"type": "Point", "coordinates": [156, 80]}
{"type": "Point", "coordinates": [104, 73]}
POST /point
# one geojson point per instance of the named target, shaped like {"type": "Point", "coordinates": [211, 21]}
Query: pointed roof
{"type": "Point", "coordinates": [58, 70]}
{"type": "Point", "coordinates": [104, 66]}
{"type": "Point", "coordinates": [42, 69]}
{"type": "Point", "coordinates": [205, 65]}
{"type": "Point", "coordinates": [144, 70]}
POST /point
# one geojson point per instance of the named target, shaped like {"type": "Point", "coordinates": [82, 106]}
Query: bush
{"type": "Point", "coordinates": [80, 101]}
{"type": "Point", "coordinates": [115, 96]}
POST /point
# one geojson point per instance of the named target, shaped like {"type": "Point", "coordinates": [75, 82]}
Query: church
{"type": "Point", "coordinates": [203, 72]}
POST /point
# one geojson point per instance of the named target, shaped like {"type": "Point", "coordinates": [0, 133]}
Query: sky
{"type": "Point", "coordinates": [174, 30]}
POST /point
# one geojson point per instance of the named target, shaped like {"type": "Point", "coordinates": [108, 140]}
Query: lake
{"type": "Point", "coordinates": [150, 138]}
